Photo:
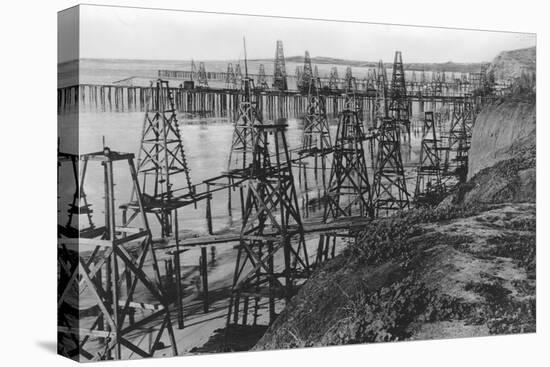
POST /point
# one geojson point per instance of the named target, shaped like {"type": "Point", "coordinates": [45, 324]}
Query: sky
{"type": "Point", "coordinates": [132, 33]}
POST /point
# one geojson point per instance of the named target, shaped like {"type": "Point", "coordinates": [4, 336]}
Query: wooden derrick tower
{"type": "Point", "coordinates": [100, 312]}
{"type": "Point", "coordinates": [381, 99]}
{"type": "Point", "coordinates": [437, 84]}
{"type": "Point", "coordinates": [279, 70]}
{"type": "Point", "coordinates": [349, 79]}
{"type": "Point", "coordinates": [333, 81]}
{"type": "Point", "coordinates": [307, 77]}
{"type": "Point", "coordinates": [202, 78]}
{"type": "Point", "coordinates": [459, 140]}
{"type": "Point", "coordinates": [193, 70]}
{"type": "Point", "coordinates": [298, 74]}
{"type": "Point", "coordinates": [230, 77]}
{"type": "Point", "coordinates": [316, 135]}
{"type": "Point", "coordinates": [162, 165]}
{"type": "Point", "coordinates": [370, 83]}
{"type": "Point", "coordinates": [429, 187]}
{"type": "Point", "coordinates": [389, 187]}
{"type": "Point", "coordinates": [349, 191]}
{"type": "Point", "coordinates": [238, 75]}
{"type": "Point", "coordinates": [271, 253]}
{"type": "Point", "coordinates": [262, 79]}
{"type": "Point", "coordinates": [248, 114]}
{"type": "Point", "coordinates": [398, 102]}
{"type": "Point", "coordinates": [316, 142]}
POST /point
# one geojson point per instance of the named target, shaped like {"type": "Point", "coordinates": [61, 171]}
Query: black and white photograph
{"type": "Point", "coordinates": [246, 183]}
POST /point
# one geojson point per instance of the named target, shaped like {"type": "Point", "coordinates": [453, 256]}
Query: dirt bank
{"type": "Point", "coordinates": [502, 131]}
{"type": "Point", "coordinates": [464, 269]}
{"type": "Point", "coordinates": [445, 273]}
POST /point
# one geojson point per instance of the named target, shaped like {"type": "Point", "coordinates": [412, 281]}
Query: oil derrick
{"type": "Point", "coordinates": [298, 74]}
{"type": "Point", "coordinates": [162, 165]}
{"type": "Point", "coordinates": [307, 75]}
{"type": "Point", "coordinates": [413, 77]}
{"type": "Point", "coordinates": [202, 79]}
{"type": "Point", "coordinates": [389, 187]}
{"type": "Point", "coordinates": [333, 79]}
{"type": "Point", "coordinates": [315, 73]}
{"type": "Point", "coordinates": [238, 75]}
{"type": "Point", "coordinates": [193, 70]}
{"type": "Point", "coordinates": [371, 79]}
{"type": "Point", "coordinates": [240, 154]}
{"type": "Point", "coordinates": [262, 79]}
{"type": "Point", "coordinates": [230, 77]}
{"type": "Point", "coordinates": [437, 84]}
{"type": "Point", "coordinates": [399, 105]}
{"type": "Point", "coordinates": [429, 188]}
{"type": "Point", "coordinates": [349, 79]}
{"type": "Point", "coordinates": [349, 191]}
{"type": "Point", "coordinates": [381, 100]}
{"type": "Point", "coordinates": [105, 267]}
{"type": "Point", "coordinates": [316, 140]}
{"type": "Point", "coordinates": [459, 139]}
{"type": "Point", "coordinates": [271, 223]}
{"type": "Point", "coordinates": [279, 69]}
{"type": "Point", "coordinates": [423, 77]}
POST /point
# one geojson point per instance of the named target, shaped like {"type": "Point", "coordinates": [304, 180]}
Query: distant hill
{"type": "Point", "coordinates": [447, 66]}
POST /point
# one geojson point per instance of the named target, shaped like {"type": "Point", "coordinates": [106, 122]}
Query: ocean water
{"type": "Point", "coordinates": [206, 142]}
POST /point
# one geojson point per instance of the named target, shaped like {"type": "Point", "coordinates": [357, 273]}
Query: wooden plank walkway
{"type": "Point", "coordinates": [339, 227]}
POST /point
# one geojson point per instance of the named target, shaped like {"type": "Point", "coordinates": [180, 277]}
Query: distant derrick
{"type": "Point", "coordinates": [437, 84]}
{"type": "Point", "coordinates": [399, 104]}
{"type": "Point", "coordinates": [279, 69]}
{"type": "Point", "coordinates": [298, 75]}
{"type": "Point", "coordinates": [262, 79]}
{"type": "Point", "coordinates": [371, 79]}
{"type": "Point", "coordinates": [349, 79]}
{"type": "Point", "coordinates": [333, 80]}
{"type": "Point", "coordinates": [248, 114]}
{"type": "Point", "coordinates": [230, 77]}
{"type": "Point", "coordinates": [307, 77]}
{"type": "Point", "coordinates": [193, 70]}
{"type": "Point", "coordinates": [238, 75]}
{"type": "Point", "coordinates": [202, 78]}
{"type": "Point", "coordinates": [381, 99]}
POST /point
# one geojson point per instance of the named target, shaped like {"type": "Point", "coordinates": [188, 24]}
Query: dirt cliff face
{"type": "Point", "coordinates": [502, 131]}
{"type": "Point", "coordinates": [510, 65]}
